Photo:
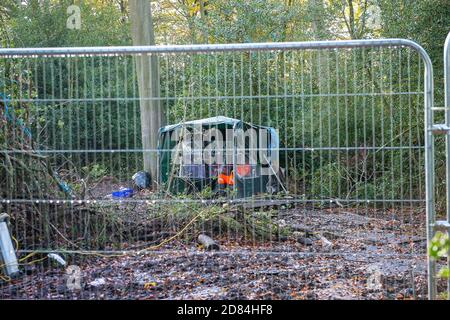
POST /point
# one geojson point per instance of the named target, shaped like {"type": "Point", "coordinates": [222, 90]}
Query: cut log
{"type": "Point", "coordinates": [305, 241]}
{"type": "Point", "coordinates": [302, 228]}
{"type": "Point", "coordinates": [208, 243]}
{"type": "Point", "coordinates": [266, 204]}
{"type": "Point", "coordinates": [332, 235]}
{"type": "Point", "coordinates": [326, 243]}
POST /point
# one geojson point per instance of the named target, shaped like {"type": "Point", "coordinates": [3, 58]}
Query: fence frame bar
{"type": "Point", "coordinates": [447, 138]}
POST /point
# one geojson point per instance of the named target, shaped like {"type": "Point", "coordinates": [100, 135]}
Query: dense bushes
{"type": "Point", "coordinates": [350, 121]}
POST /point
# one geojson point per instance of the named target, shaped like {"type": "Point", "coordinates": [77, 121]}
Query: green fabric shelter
{"type": "Point", "coordinates": [249, 153]}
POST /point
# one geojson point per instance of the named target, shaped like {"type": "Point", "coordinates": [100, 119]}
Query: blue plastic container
{"type": "Point", "coordinates": [123, 193]}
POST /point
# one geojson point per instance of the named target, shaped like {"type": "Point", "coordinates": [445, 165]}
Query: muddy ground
{"type": "Point", "coordinates": [360, 254]}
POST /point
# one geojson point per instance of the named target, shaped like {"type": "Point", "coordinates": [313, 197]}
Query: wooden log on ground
{"type": "Point", "coordinates": [325, 242]}
{"type": "Point", "coordinates": [305, 241]}
{"type": "Point", "coordinates": [208, 243]}
{"type": "Point", "coordinates": [266, 204]}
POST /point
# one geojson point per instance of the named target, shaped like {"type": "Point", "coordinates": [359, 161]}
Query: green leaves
{"type": "Point", "coordinates": [444, 273]}
{"type": "Point", "coordinates": [440, 248]}
{"type": "Point", "coordinates": [96, 171]}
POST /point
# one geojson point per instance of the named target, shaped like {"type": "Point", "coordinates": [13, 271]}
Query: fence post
{"type": "Point", "coordinates": [447, 150]}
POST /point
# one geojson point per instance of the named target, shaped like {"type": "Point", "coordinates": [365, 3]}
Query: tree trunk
{"type": "Point", "coordinates": [352, 20]}
{"type": "Point", "coordinates": [317, 11]}
{"type": "Point", "coordinates": [152, 115]}
{"type": "Point", "coordinates": [203, 17]}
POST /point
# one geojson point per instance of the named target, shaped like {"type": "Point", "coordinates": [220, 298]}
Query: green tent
{"type": "Point", "coordinates": [224, 154]}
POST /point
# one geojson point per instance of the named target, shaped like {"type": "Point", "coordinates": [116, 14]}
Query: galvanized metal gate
{"type": "Point", "coordinates": [447, 150]}
{"type": "Point", "coordinates": [340, 110]}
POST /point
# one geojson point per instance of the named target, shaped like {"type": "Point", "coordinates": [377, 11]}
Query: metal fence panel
{"type": "Point", "coordinates": [447, 152]}
{"type": "Point", "coordinates": [355, 190]}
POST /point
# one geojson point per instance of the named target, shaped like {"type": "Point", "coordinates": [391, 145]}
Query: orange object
{"type": "Point", "coordinates": [224, 179]}
{"type": "Point", "coordinates": [243, 170]}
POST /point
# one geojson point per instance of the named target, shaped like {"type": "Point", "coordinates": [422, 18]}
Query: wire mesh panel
{"type": "Point", "coordinates": [299, 167]}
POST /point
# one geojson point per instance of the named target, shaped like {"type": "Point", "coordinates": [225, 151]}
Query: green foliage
{"type": "Point", "coordinates": [309, 121]}
{"type": "Point", "coordinates": [95, 171]}
{"type": "Point", "coordinates": [43, 24]}
{"type": "Point", "coordinates": [425, 22]}
{"type": "Point", "coordinates": [440, 248]}
{"type": "Point", "coordinates": [251, 21]}
{"type": "Point", "coordinates": [217, 219]}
